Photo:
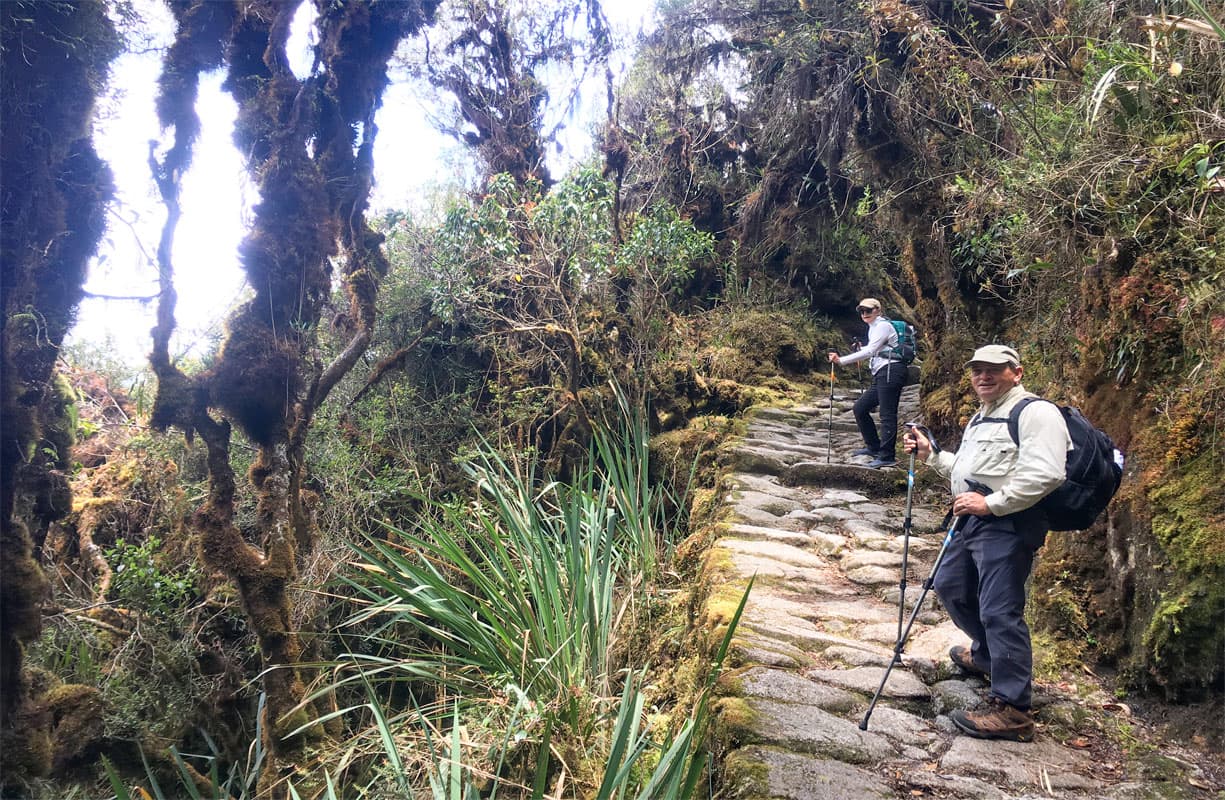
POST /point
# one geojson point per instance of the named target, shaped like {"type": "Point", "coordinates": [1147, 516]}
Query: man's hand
{"type": "Point", "coordinates": [971, 503]}
{"type": "Point", "coordinates": [834, 358]}
{"type": "Point", "coordinates": [915, 442]}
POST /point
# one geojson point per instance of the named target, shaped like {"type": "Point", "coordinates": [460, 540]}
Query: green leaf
{"type": "Point", "coordinates": [121, 791]}
{"type": "Point", "coordinates": [1127, 99]}
{"type": "Point", "coordinates": [1211, 20]}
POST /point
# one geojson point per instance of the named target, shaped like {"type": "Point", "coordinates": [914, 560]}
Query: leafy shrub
{"type": "Point", "coordinates": [141, 581]}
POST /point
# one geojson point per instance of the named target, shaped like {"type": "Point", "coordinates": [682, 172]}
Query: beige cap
{"type": "Point", "coordinates": [995, 354]}
{"type": "Point", "coordinates": [869, 302]}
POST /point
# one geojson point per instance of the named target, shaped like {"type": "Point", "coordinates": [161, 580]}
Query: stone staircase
{"type": "Point", "coordinates": [821, 535]}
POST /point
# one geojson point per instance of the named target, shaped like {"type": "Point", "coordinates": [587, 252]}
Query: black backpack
{"type": "Point", "coordinates": [1094, 470]}
{"type": "Point", "coordinates": [907, 343]}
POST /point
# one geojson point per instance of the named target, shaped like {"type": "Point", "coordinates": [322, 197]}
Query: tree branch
{"type": "Point", "coordinates": [393, 361]}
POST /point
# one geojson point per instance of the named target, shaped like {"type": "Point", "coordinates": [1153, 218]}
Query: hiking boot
{"type": "Point", "coordinates": [864, 451]}
{"type": "Point", "coordinates": [882, 461]}
{"type": "Point", "coordinates": [997, 720]}
{"type": "Point", "coordinates": [964, 661]}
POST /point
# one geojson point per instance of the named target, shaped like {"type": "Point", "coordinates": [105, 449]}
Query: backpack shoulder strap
{"type": "Point", "coordinates": [1012, 420]}
{"type": "Point", "coordinates": [1014, 416]}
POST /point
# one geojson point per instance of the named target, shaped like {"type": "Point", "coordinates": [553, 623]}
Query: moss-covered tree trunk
{"type": "Point", "coordinates": [309, 143]}
{"type": "Point", "coordinates": [55, 188]}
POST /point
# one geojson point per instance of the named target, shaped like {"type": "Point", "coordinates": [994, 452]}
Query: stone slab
{"type": "Point", "coordinates": [830, 514]}
{"type": "Point", "coordinates": [855, 559]}
{"type": "Point", "coordinates": [784, 604]}
{"type": "Point", "coordinates": [882, 633]}
{"type": "Point", "coordinates": [945, 785]}
{"type": "Point", "coordinates": [758, 460]}
{"type": "Point", "coordinates": [778, 414]}
{"type": "Point", "coordinates": [766, 484]}
{"type": "Point", "coordinates": [871, 510]}
{"type": "Point", "coordinates": [901, 683]}
{"type": "Point", "coordinates": [797, 450]}
{"type": "Point", "coordinates": [778, 551]}
{"type": "Point", "coordinates": [954, 695]}
{"type": "Point", "coordinates": [854, 610]}
{"type": "Point", "coordinates": [859, 657]}
{"type": "Point", "coordinates": [827, 497]}
{"type": "Point", "coordinates": [828, 543]}
{"type": "Point", "coordinates": [767, 652]}
{"type": "Point", "coordinates": [1029, 766]}
{"type": "Point", "coordinates": [769, 503]}
{"type": "Point", "coordinates": [765, 773]}
{"type": "Point", "coordinates": [808, 729]}
{"type": "Point", "coordinates": [817, 473]}
{"type": "Point", "coordinates": [933, 643]}
{"type": "Point", "coordinates": [862, 530]}
{"type": "Point", "coordinates": [905, 728]}
{"type": "Point", "coordinates": [754, 516]}
{"type": "Point", "coordinates": [873, 576]}
{"type": "Point", "coordinates": [746, 565]}
{"type": "Point", "coordinates": [790, 687]}
{"type": "Point", "coordinates": [746, 531]}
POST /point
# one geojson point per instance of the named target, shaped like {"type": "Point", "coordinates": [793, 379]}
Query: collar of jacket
{"type": "Point", "coordinates": [1002, 406]}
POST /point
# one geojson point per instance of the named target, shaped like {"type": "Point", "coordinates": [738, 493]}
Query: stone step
{"type": "Point", "coordinates": [874, 482]}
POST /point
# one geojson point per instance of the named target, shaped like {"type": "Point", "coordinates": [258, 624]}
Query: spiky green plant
{"type": "Point", "coordinates": [516, 588]}
{"type": "Point", "coordinates": [642, 503]}
{"type": "Point", "coordinates": [681, 763]}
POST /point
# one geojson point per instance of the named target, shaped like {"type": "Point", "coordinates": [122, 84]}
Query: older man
{"type": "Point", "coordinates": [981, 581]}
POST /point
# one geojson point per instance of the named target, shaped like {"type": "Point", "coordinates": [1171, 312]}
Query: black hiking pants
{"type": "Point", "coordinates": [981, 583]}
{"type": "Point", "coordinates": [885, 391]}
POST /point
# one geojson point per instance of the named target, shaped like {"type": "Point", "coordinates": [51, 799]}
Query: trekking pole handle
{"type": "Point", "coordinates": [927, 434]}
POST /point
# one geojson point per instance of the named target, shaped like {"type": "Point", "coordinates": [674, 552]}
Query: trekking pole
{"type": "Point", "coordinates": [829, 442]}
{"type": "Point", "coordinates": [856, 345]}
{"type": "Point", "coordinates": [906, 526]}
{"type": "Point", "coordinates": [908, 522]}
{"type": "Point", "coordinates": [957, 525]}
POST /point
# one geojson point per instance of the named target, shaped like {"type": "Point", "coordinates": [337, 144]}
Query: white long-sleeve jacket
{"type": "Point", "coordinates": [880, 336]}
{"type": "Point", "coordinates": [1019, 474]}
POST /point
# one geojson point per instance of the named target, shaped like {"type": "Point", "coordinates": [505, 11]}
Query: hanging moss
{"type": "Point", "coordinates": [256, 378]}
{"type": "Point", "coordinates": [55, 57]}
{"type": "Point", "coordinates": [1189, 513]}
{"type": "Point", "coordinates": [1184, 640]}
{"type": "Point", "coordinates": [309, 144]}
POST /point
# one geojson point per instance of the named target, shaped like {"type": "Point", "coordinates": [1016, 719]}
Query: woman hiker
{"type": "Point", "coordinates": [888, 378]}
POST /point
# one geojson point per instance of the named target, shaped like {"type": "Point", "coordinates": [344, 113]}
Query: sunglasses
{"type": "Point", "coordinates": [865, 310]}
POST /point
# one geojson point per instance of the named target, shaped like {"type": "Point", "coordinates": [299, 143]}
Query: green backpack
{"type": "Point", "coordinates": [907, 342]}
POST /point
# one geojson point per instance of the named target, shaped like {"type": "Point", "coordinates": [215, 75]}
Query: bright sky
{"type": "Point", "coordinates": [217, 198]}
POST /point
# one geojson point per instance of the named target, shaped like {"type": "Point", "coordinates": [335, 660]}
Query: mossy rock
{"type": "Point", "coordinates": [677, 452]}
{"type": "Point", "coordinates": [735, 722]}
{"type": "Point", "coordinates": [1179, 648]}
{"type": "Point", "coordinates": [80, 725]}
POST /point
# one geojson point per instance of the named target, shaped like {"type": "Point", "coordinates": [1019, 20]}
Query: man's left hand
{"type": "Point", "coordinates": [971, 503]}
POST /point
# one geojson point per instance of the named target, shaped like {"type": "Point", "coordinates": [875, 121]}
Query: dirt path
{"type": "Point", "coordinates": [824, 537]}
